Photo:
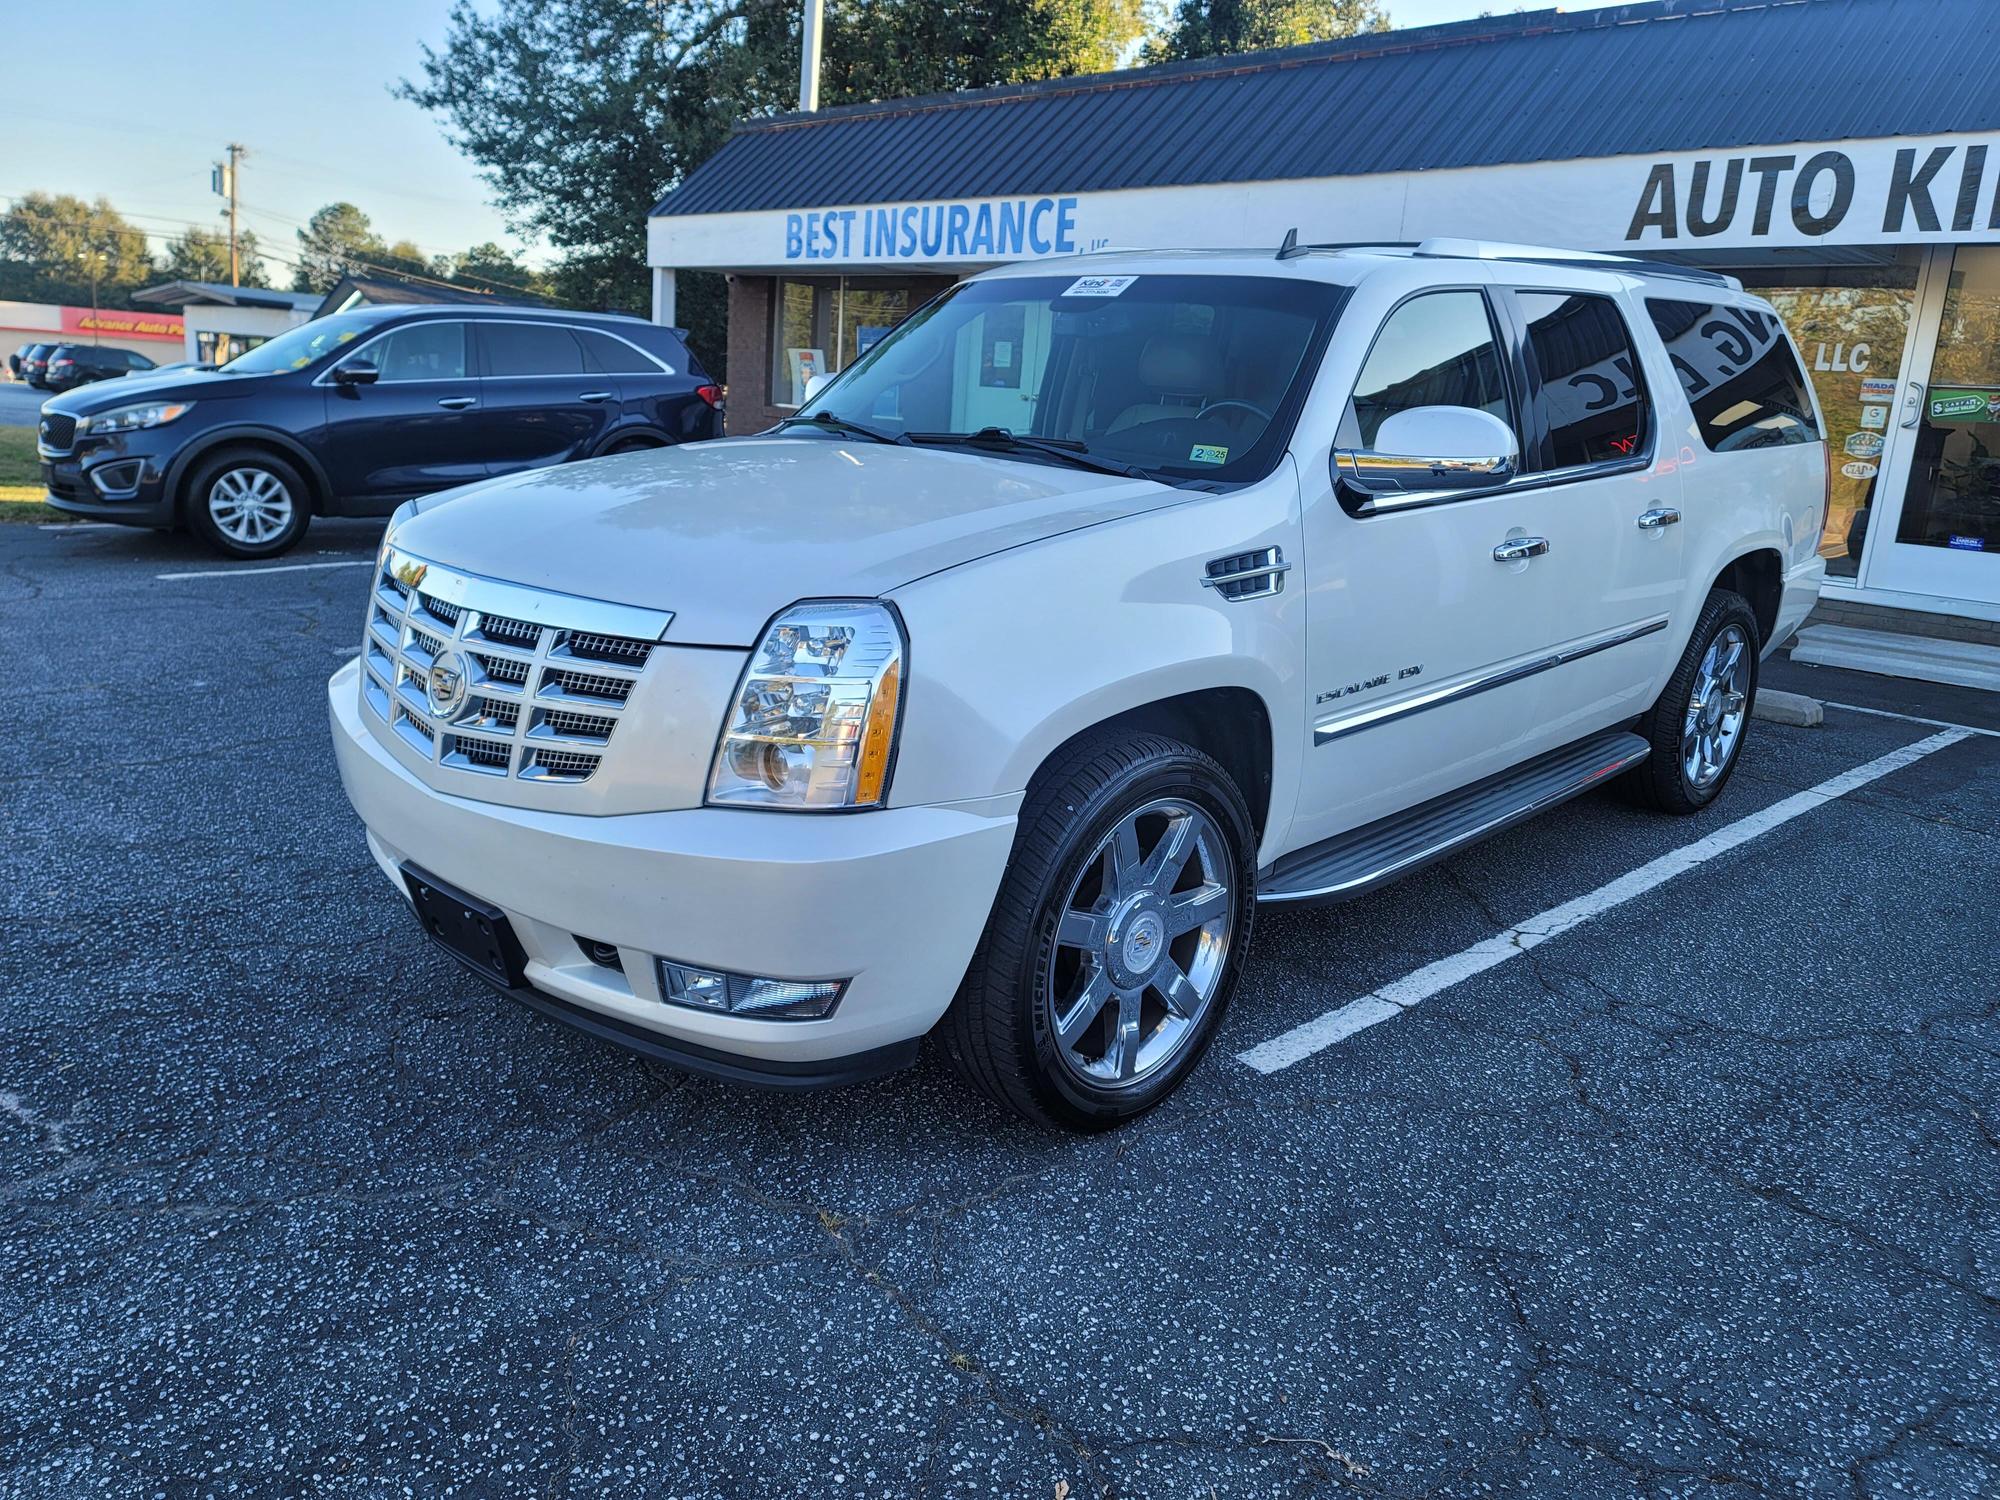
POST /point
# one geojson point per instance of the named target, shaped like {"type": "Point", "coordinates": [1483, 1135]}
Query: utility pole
{"type": "Point", "coordinates": [94, 260]}
{"type": "Point", "coordinates": [809, 27]}
{"type": "Point", "coordinates": [223, 181]}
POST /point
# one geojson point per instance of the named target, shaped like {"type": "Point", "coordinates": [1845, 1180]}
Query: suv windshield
{"type": "Point", "coordinates": [298, 347]}
{"type": "Point", "coordinates": [1183, 376]}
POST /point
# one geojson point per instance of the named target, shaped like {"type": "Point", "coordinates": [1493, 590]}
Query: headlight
{"type": "Point", "coordinates": [813, 723]}
{"type": "Point", "coordinates": [132, 418]}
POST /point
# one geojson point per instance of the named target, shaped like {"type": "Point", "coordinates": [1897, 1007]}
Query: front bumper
{"type": "Point", "coordinates": [892, 901]}
{"type": "Point", "coordinates": [110, 482]}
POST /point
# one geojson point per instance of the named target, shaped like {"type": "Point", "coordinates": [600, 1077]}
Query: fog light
{"type": "Point", "coordinates": [747, 995]}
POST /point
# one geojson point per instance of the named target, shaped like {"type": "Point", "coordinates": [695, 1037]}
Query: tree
{"type": "Point", "coordinates": [50, 243]}
{"type": "Point", "coordinates": [490, 267]}
{"type": "Point", "coordinates": [336, 241]}
{"type": "Point", "coordinates": [203, 255]}
{"type": "Point", "coordinates": [582, 114]}
{"type": "Point", "coordinates": [1216, 28]}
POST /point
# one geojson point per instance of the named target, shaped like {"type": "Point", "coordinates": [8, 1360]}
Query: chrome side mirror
{"type": "Point", "coordinates": [1429, 451]}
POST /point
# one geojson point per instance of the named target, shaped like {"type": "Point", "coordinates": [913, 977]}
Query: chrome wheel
{"type": "Point", "coordinates": [1716, 707]}
{"type": "Point", "coordinates": [250, 506]}
{"type": "Point", "coordinates": [1141, 944]}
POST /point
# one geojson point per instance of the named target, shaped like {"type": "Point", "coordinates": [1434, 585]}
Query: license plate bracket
{"type": "Point", "coordinates": [474, 932]}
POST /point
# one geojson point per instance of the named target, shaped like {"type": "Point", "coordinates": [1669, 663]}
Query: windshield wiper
{"type": "Point", "coordinates": [1006, 440]}
{"type": "Point", "coordinates": [828, 422]}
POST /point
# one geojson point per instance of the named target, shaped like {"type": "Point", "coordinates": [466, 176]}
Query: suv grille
{"type": "Point", "coordinates": [58, 431]}
{"type": "Point", "coordinates": [519, 705]}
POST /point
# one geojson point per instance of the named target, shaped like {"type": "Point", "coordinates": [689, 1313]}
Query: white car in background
{"type": "Point", "coordinates": [1101, 603]}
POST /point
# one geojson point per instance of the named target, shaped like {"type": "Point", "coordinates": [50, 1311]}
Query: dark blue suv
{"type": "Point", "coordinates": [356, 412]}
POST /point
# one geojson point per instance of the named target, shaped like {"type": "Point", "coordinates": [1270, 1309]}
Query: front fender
{"type": "Point", "coordinates": [249, 432]}
{"type": "Point", "coordinates": [1016, 653]}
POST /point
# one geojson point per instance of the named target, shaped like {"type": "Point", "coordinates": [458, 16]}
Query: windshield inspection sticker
{"type": "Point", "coordinates": [1099, 286]}
{"type": "Point", "coordinates": [1203, 453]}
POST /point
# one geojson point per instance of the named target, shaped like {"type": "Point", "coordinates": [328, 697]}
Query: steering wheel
{"type": "Point", "coordinates": [1249, 406]}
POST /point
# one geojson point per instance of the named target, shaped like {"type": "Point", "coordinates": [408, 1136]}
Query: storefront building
{"type": "Point", "coordinates": [222, 321]}
{"type": "Point", "coordinates": [1841, 157]}
{"type": "Point", "coordinates": [155, 335]}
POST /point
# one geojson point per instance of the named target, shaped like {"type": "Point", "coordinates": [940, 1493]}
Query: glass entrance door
{"type": "Point", "coordinates": [1937, 527]}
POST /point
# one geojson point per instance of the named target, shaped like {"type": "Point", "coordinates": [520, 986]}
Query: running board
{"type": "Point", "coordinates": [1354, 863]}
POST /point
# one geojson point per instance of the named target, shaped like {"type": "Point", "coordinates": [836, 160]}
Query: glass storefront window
{"type": "Point", "coordinates": [821, 326]}
{"type": "Point", "coordinates": [220, 348]}
{"type": "Point", "coordinates": [1850, 321]}
{"type": "Point", "coordinates": [1953, 499]}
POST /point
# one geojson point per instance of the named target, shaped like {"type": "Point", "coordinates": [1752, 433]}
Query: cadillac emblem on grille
{"type": "Point", "coordinates": [444, 684]}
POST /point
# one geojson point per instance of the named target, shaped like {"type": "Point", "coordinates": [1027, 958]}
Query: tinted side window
{"type": "Point", "coordinates": [614, 356]}
{"type": "Point", "coordinates": [1435, 350]}
{"type": "Point", "coordinates": [1593, 394]}
{"type": "Point", "coordinates": [1739, 372]}
{"type": "Point", "coordinates": [423, 351]}
{"type": "Point", "coordinates": [530, 349]}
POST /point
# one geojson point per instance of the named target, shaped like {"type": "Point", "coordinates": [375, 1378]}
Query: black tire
{"type": "Point", "coordinates": [260, 469]}
{"type": "Point", "coordinates": [999, 1030]}
{"type": "Point", "coordinates": [1662, 781]}
{"type": "Point", "coordinates": [632, 445]}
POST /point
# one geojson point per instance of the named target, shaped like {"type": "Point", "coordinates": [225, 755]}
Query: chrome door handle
{"type": "Point", "coordinates": [1913, 404]}
{"type": "Point", "coordinates": [1520, 548]}
{"type": "Point", "coordinates": [457, 403]}
{"type": "Point", "coordinates": [595, 396]}
{"type": "Point", "coordinates": [1653, 520]}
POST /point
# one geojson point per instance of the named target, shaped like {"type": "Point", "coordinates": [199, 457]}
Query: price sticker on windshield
{"type": "Point", "coordinates": [1099, 286]}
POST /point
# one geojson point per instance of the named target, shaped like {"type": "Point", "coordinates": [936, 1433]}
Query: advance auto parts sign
{"type": "Point", "coordinates": [1963, 406]}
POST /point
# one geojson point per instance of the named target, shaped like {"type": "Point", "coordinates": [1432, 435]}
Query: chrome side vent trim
{"type": "Point", "coordinates": [1247, 575]}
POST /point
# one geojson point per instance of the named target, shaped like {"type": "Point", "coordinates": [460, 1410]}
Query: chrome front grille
{"type": "Point", "coordinates": [472, 683]}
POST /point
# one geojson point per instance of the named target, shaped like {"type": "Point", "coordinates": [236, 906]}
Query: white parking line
{"type": "Point", "coordinates": [73, 526]}
{"type": "Point", "coordinates": [1884, 713]}
{"type": "Point", "coordinates": [357, 562]}
{"type": "Point", "coordinates": [1393, 999]}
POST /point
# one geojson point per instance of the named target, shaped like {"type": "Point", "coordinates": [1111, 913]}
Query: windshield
{"type": "Point", "coordinates": [298, 347]}
{"type": "Point", "coordinates": [1186, 377]}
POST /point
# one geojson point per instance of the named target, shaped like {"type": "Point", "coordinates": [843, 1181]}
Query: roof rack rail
{"type": "Point", "coordinates": [1546, 255]}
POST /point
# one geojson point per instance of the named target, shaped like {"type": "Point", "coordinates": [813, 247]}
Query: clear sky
{"type": "Point", "coordinates": [1431, 12]}
{"type": "Point", "coordinates": [304, 85]}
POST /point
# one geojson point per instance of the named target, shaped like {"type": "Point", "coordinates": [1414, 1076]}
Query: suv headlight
{"type": "Point", "coordinates": [813, 724]}
{"type": "Point", "coordinates": [132, 418]}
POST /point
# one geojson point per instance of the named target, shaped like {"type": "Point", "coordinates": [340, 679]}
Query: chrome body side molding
{"type": "Point", "coordinates": [1338, 725]}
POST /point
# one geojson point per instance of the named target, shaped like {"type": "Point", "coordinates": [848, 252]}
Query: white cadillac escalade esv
{"type": "Point", "coordinates": [1100, 603]}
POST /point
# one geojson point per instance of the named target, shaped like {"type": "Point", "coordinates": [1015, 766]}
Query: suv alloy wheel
{"type": "Point", "coordinates": [1698, 724]}
{"type": "Point", "coordinates": [1117, 936]}
{"type": "Point", "coordinates": [249, 504]}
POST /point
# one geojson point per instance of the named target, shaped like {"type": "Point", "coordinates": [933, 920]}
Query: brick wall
{"type": "Point", "coordinates": [750, 408]}
{"type": "Point", "coordinates": [1833, 610]}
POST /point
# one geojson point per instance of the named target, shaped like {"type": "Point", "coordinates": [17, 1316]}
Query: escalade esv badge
{"type": "Point", "coordinates": [444, 684]}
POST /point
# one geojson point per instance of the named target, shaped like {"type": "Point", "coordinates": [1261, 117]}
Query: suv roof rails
{"type": "Point", "coordinates": [1549, 256]}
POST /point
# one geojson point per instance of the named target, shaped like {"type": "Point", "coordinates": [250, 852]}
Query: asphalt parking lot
{"type": "Point", "coordinates": [20, 405]}
{"type": "Point", "coordinates": [1695, 1195]}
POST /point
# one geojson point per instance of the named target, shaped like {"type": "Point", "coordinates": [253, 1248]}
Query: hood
{"type": "Point", "coordinates": [726, 534]}
{"type": "Point", "coordinates": [173, 385]}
